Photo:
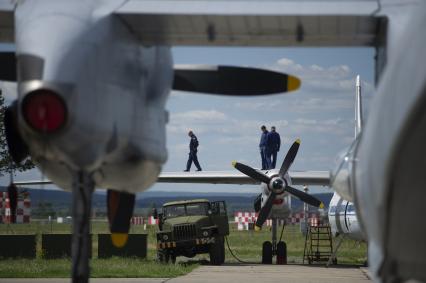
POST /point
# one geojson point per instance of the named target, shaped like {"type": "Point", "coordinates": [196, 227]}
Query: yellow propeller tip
{"type": "Point", "coordinates": [257, 228]}
{"type": "Point", "coordinates": [321, 205]}
{"type": "Point", "coordinates": [298, 141]}
{"type": "Point", "coordinates": [293, 83]}
{"type": "Point", "coordinates": [234, 163]}
{"type": "Point", "coordinates": [119, 239]}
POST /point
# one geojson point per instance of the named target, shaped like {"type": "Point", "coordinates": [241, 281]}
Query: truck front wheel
{"type": "Point", "coordinates": [161, 256]}
{"type": "Point", "coordinates": [165, 256]}
{"type": "Point", "coordinates": [217, 251]}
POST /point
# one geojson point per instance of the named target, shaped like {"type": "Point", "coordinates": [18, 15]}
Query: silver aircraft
{"type": "Point", "coordinates": [91, 102]}
{"type": "Point", "coordinates": [341, 212]}
{"type": "Point", "coordinates": [104, 68]}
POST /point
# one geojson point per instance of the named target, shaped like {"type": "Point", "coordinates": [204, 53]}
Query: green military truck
{"type": "Point", "coordinates": [191, 227]}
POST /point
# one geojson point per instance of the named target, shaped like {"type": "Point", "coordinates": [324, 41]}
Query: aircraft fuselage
{"type": "Point", "coordinates": [343, 218]}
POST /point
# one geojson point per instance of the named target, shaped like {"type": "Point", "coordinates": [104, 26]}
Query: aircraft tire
{"type": "Point", "coordinates": [222, 250]}
{"type": "Point", "coordinates": [160, 256]}
{"type": "Point", "coordinates": [267, 252]}
{"type": "Point", "coordinates": [166, 257]}
{"type": "Point", "coordinates": [281, 253]}
{"type": "Point", "coordinates": [217, 251]}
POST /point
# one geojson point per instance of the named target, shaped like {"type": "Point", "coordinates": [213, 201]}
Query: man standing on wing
{"type": "Point", "coordinates": [193, 145]}
{"type": "Point", "coordinates": [274, 143]}
{"type": "Point", "coordinates": [266, 159]}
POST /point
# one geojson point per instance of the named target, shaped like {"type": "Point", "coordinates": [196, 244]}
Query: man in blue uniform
{"type": "Point", "coordinates": [263, 147]}
{"type": "Point", "coordinates": [274, 143]}
{"type": "Point", "coordinates": [193, 145]}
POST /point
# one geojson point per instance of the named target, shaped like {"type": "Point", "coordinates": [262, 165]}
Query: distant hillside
{"type": "Point", "coordinates": [60, 201]}
{"type": "Point", "coordinates": [235, 199]}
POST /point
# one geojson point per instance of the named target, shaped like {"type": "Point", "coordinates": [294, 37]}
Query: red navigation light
{"type": "Point", "coordinates": [44, 111]}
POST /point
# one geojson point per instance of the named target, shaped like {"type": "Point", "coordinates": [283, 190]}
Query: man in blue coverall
{"type": "Point", "coordinates": [193, 145]}
{"type": "Point", "coordinates": [273, 146]}
{"type": "Point", "coordinates": [263, 146]}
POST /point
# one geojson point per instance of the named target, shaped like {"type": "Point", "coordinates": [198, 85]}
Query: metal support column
{"type": "Point", "coordinates": [83, 188]}
{"type": "Point", "coordinates": [304, 225]}
{"type": "Point", "coordinates": [274, 236]}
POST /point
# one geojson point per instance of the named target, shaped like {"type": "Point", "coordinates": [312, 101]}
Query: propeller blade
{"type": "Point", "coordinates": [228, 80]}
{"type": "Point", "coordinates": [289, 158]}
{"type": "Point", "coordinates": [265, 210]}
{"type": "Point", "coordinates": [309, 199]}
{"type": "Point", "coordinates": [251, 172]}
{"type": "Point", "coordinates": [8, 66]}
{"type": "Point", "coordinates": [120, 210]}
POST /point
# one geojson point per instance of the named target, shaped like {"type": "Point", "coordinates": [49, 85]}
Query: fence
{"type": "Point", "coordinates": [23, 209]}
{"type": "Point", "coordinates": [245, 220]}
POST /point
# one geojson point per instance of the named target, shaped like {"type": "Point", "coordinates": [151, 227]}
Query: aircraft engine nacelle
{"type": "Point", "coordinates": [282, 204]}
{"type": "Point", "coordinates": [90, 98]}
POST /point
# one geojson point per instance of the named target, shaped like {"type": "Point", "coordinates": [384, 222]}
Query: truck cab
{"type": "Point", "coordinates": [191, 227]}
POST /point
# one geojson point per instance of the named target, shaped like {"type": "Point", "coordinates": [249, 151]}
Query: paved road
{"type": "Point", "coordinates": [241, 274]}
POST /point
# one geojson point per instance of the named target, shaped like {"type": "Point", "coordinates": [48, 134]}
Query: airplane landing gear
{"type": "Point", "coordinates": [271, 249]}
{"type": "Point", "coordinates": [82, 188]}
{"type": "Point", "coordinates": [267, 253]}
{"type": "Point", "coordinates": [281, 253]}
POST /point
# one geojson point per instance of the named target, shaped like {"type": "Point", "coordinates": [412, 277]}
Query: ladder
{"type": "Point", "coordinates": [318, 244]}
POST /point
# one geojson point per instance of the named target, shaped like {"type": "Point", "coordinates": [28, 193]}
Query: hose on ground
{"type": "Point", "coordinates": [238, 259]}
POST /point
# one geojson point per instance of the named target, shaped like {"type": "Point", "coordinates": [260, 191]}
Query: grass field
{"type": "Point", "coordinates": [246, 245]}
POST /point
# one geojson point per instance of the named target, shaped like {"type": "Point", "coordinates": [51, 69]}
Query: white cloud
{"type": "Point", "coordinates": [180, 94]}
{"type": "Point", "coordinates": [306, 121]}
{"type": "Point", "coordinates": [316, 68]}
{"type": "Point", "coordinates": [200, 116]}
{"type": "Point", "coordinates": [259, 105]}
{"type": "Point", "coordinates": [285, 62]}
{"type": "Point", "coordinates": [198, 120]}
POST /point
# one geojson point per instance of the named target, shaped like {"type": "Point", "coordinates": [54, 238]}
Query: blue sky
{"type": "Point", "coordinates": [320, 113]}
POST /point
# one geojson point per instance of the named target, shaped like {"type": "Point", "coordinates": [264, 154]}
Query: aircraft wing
{"type": "Point", "coordinates": [32, 183]}
{"type": "Point", "coordinates": [321, 178]}
{"type": "Point", "coordinates": [254, 23]}
{"type": "Point", "coordinates": [240, 23]}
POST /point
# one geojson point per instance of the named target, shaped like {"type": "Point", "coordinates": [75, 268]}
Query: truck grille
{"type": "Point", "coordinates": [184, 232]}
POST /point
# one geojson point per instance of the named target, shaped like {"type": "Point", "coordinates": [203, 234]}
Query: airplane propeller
{"type": "Point", "coordinates": [120, 210]}
{"type": "Point", "coordinates": [211, 79]}
{"type": "Point", "coordinates": [277, 184]}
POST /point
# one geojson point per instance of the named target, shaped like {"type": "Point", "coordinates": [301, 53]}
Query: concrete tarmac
{"type": "Point", "coordinates": [241, 274]}
{"type": "Point", "coordinates": [273, 273]}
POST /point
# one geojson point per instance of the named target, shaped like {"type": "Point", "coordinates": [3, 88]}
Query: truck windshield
{"type": "Point", "coordinates": [186, 210]}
